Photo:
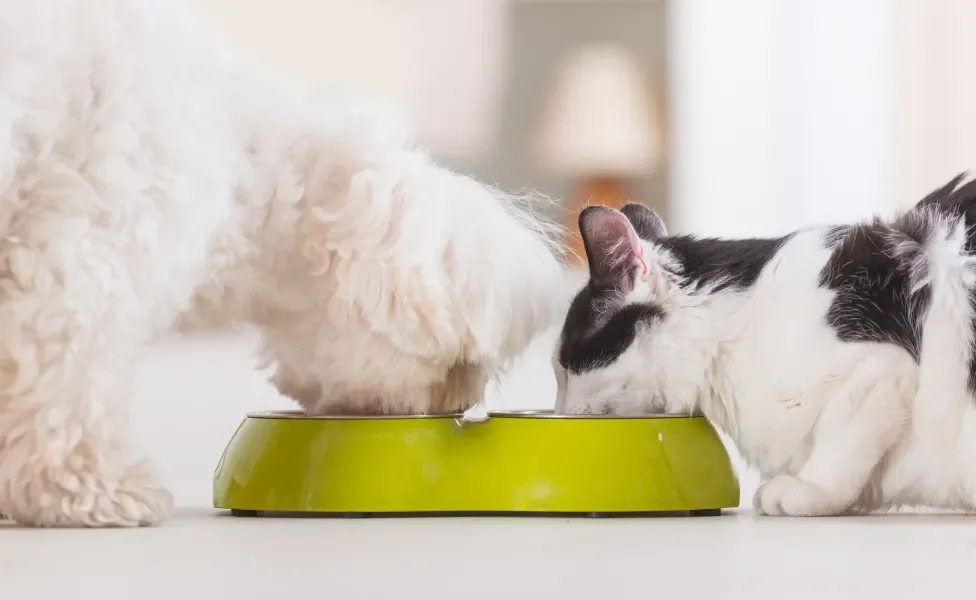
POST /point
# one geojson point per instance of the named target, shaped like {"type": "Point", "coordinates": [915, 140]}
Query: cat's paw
{"type": "Point", "coordinates": [788, 496]}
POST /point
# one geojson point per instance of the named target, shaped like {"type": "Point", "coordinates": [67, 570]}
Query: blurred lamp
{"type": "Point", "coordinates": [599, 128]}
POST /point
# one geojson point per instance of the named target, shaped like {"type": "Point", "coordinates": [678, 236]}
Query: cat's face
{"type": "Point", "coordinates": [600, 365]}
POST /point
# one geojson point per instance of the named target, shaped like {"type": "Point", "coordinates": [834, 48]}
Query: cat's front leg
{"type": "Point", "coordinates": [852, 434]}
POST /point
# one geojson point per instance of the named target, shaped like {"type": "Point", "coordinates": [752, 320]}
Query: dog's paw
{"type": "Point", "coordinates": [594, 408]}
{"type": "Point", "coordinates": [786, 495]}
{"type": "Point", "coordinates": [870, 500]}
{"type": "Point", "coordinates": [72, 499]}
{"type": "Point", "coordinates": [610, 408]}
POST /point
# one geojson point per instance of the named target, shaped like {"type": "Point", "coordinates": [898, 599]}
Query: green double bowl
{"type": "Point", "coordinates": [512, 462]}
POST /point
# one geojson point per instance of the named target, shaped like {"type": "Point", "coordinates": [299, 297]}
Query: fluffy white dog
{"type": "Point", "coordinates": [144, 173]}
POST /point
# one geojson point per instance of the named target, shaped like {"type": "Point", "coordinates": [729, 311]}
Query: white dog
{"type": "Point", "coordinates": [144, 173]}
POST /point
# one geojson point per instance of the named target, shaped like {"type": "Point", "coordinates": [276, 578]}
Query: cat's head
{"type": "Point", "coordinates": [600, 364]}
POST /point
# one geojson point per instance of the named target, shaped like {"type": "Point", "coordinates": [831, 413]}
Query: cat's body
{"type": "Point", "coordinates": [838, 359]}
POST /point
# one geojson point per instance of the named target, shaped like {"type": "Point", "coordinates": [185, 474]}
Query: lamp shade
{"type": "Point", "coordinates": [600, 117]}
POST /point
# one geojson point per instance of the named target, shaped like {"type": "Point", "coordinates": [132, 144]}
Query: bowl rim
{"type": "Point", "coordinates": [534, 414]}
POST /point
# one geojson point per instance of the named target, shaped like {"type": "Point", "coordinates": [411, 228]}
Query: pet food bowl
{"type": "Point", "coordinates": [528, 462]}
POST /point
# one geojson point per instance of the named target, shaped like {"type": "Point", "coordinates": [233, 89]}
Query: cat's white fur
{"type": "Point", "coordinates": [145, 172]}
{"type": "Point", "coordinates": [832, 427]}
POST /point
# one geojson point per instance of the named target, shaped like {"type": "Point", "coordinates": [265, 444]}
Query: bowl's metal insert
{"type": "Point", "coordinates": [299, 415]}
{"type": "Point", "coordinates": [501, 414]}
{"type": "Point", "coordinates": [548, 414]}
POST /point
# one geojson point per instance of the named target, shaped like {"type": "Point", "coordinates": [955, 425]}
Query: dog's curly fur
{"type": "Point", "coordinates": [145, 172]}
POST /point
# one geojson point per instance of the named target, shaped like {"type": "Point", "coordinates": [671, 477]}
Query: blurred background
{"type": "Point", "coordinates": [745, 117]}
{"type": "Point", "coordinates": [731, 117]}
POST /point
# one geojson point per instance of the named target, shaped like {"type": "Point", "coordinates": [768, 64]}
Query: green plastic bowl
{"type": "Point", "coordinates": [516, 462]}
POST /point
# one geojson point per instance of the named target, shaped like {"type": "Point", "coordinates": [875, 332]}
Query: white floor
{"type": "Point", "coordinates": [192, 394]}
{"type": "Point", "coordinates": [201, 555]}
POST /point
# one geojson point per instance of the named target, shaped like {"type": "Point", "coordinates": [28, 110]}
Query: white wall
{"type": "Point", "coordinates": [442, 61]}
{"type": "Point", "coordinates": [782, 113]}
{"type": "Point", "coordinates": [935, 129]}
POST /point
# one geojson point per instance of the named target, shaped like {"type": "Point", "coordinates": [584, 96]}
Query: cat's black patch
{"type": "Point", "coordinates": [590, 338]}
{"type": "Point", "coordinates": [960, 201]}
{"type": "Point", "coordinates": [646, 223]}
{"type": "Point", "coordinates": [711, 263]}
{"type": "Point", "coordinates": [952, 196]}
{"type": "Point", "coordinates": [835, 235]}
{"type": "Point", "coordinates": [596, 332]}
{"type": "Point", "coordinates": [872, 268]}
{"type": "Point", "coordinates": [717, 264]}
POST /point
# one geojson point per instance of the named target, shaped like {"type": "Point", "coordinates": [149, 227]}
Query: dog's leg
{"type": "Point", "coordinates": [853, 434]}
{"type": "Point", "coordinates": [463, 388]}
{"type": "Point", "coordinates": [70, 323]}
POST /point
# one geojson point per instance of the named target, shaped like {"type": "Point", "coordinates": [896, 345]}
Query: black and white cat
{"type": "Point", "coordinates": [840, 360]}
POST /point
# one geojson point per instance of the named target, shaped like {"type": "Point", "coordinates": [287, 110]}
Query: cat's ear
{"type": "Point", "coordinates": [613, 250]}
{"type": "Point", "coordinates": [647, 223]}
